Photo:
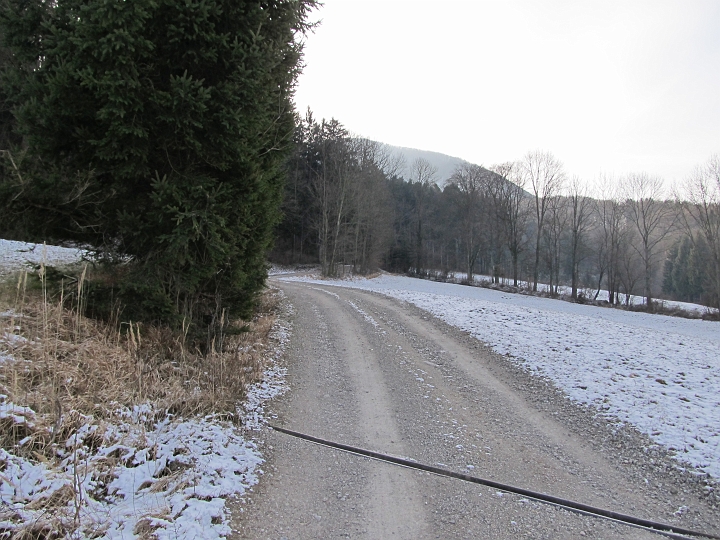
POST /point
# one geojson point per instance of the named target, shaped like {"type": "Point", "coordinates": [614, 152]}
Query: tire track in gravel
{"type": "Point", "coordinates": [369, 371]}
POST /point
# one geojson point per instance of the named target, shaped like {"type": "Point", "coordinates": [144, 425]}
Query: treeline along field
{"type": "Point", "coordinates": [353, 203]}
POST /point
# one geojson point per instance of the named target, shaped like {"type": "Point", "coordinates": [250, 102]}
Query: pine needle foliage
{"type": "Point", "coordinates": [155, 130]}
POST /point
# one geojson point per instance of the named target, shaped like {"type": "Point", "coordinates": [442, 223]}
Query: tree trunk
{"type": "Point", "coordinates": [418, 256]}
{"type": "Point", "coordinates": [574, 270]}
{"type": "Point", "coordinates": [573, 282]}
{"type": "Point", "coordinates": [597, 293]}
{"type": "Point", "coordinates": [648, 279]}
{"type": "Point", "coordinates": [536, 270]}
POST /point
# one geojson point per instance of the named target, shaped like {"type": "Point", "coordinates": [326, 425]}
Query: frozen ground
{"type": "Point", "coordinates": [658, 373]}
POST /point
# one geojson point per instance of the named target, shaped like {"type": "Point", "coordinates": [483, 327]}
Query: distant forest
{"type": "Point", "coordinates": [352, 203]}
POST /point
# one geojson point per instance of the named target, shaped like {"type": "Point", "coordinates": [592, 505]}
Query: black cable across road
{"type": "Point", "coordinates": [664, 529]}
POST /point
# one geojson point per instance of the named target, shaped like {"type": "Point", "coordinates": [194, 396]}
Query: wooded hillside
{"type": "Point", "coordinates": [352, 203]}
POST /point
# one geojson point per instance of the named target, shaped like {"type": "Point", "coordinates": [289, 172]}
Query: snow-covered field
{"type": "Point", "coordinates": [658, 373]}
{"type": "Point", "coordinates": [17, 255]}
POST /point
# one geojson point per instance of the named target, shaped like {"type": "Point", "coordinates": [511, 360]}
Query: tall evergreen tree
{"type": "Point", "coordinates": [681, 272]}
{"type": "Point", "coordinates": [687, 274]}
{"type": "Point", "coordinates": [157, 131]}
{"type": "Point", "coordinates": [668, 285]}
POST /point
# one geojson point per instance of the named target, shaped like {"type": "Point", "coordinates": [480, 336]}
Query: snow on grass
{"type": "Point", "coordinates": [17, 255]}
{"type": "Point", "coordinates": [659, 373]}
{"type": "Point", "coordinates": [137, 472]}
{"type": "Point", "coordinates": [172, 475]}
{"type": "Point", "coordinates": [252, 410]}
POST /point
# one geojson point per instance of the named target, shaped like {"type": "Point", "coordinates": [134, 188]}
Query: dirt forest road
{"type": "Point", "coordinates": [372, 372]}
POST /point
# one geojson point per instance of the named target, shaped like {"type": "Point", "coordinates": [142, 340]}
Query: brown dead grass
{"type": "Point", "coordinates": [67, 367]}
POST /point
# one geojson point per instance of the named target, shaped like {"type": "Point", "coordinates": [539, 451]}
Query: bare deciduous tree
{"type": "Point", "coordinates": [653, 219]}
{"type": "Point", "coordinates": [422, 175]}
{"type": "Point", "coordinates": [513, 210]}
{"type": "Point", "coordinates": [371, 216]}
{"type": "Point", "coordinates": [557, 219]}
{"type": "Point", "coordinates": [330, 169]}
{"type": "Point", "coordinates": [702, 205]}
{"type": "Point", "coordinates": [470, 180]}
{"type": "Point", "coordinates": [629, 269]}
{"type": "Point", "coordinates": [390, 164]}
{"type": "Point", "coordinates": [611, 225]}
{"type": "Point", "coordinates": [545, 177]}
{"type": "Point", "coordinates": [580, 209]}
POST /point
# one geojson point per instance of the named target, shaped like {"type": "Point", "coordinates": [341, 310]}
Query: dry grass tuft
{"type": "Point", "coordinates": [57, 499]}
{"type": "Point", "coordinates": [146, 527]}
{"type": "Point", "coordinates": [69, 388]}
{"type": "Point", "coordinates": [66, 367]}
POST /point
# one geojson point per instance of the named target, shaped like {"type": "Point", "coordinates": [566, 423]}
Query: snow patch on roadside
{"type": "Point", "coordinates": [361, 311]}
{"type": "Point", "coordinates": [365, 315]}
{"type": "Point", "coordinates": [326, 292]}
{"type": "Point", "coordinates": [252, 410]}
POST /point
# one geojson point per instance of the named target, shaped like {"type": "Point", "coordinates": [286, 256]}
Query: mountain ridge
{"type": "Point", "coordinates": [444, 163]}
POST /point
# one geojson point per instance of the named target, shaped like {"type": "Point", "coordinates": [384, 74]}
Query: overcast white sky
{"type": "Point", "coordinates": [607, 86]}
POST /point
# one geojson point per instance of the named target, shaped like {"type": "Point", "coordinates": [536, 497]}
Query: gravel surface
{"type": "Point", "coordinates": [372, 372]}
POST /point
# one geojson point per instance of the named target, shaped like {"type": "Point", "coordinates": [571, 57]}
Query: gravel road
{"type": "Point", "coordinates": [372, 372]}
